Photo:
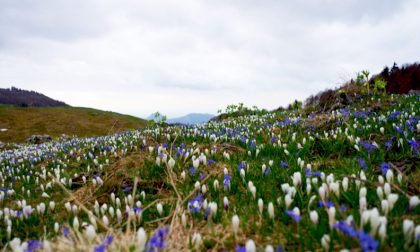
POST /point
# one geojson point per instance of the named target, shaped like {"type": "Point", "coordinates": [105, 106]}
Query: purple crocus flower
{"type": "Point", "coordinates": [312, 173]}
{"type": "Point", "coordinates": [157, 241]}
{"type": "Point", "coordinates": [385, 167]}
{"type": "Point", "coordinates": [362, 163]}
{"type": "Point", "coordinates": [226, 181]}
{"type": "Point", "coordinates": [388, 143]}
{"type": "Point", "coordinates": [240, 248]}
{"type": "Point", "coordinates": [195, 204]}
{"type": "Point", "coordinates": [102, 248]}
{"type": "Point", "coordinates": [210, 162]}
{"type": "Point", "coordinates": [192, 170]}
{"type": "Point", "coordinates": [33, 245]}
{"type": "Point", "coordinates": [367, 242]}
{"type": "Point", "coordinates": [202, 176]}
{"type": "Point", "coordinates": [368, 146]}
{"type": "Point", "coordinates": [284, 164]}
{"type": "Point", "coordinates": [414, 146]}
{"type": "Point", "coordinates": [326, 203]}
{"type": "Point", "coordinates": [294, 216]}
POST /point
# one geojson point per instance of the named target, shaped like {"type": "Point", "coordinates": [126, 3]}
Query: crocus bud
{"type": "Point", "coordinates": [253, 191]}
{"type": "Point", "coordinates": [250, 246]}
{"type": "Point", "coordinates": [141, 238]}
{"type": "Point", "coordinates": [269, 248]}
{"type": "Point", "coordinates": [76, 223]}
{"type": "Point", "coordinates": [216, 184]}
{"type": "Point", "coordinates": [414, 201]}
{"type": "Point", "coordinates": [331, 216]}
{"type": "Point", "coordinates": [314, 217]}
{"type": "Point", "coordinates": [56, 227]}
{"type": "Point", "coordinates": [171, 163]}
{"type": "Point", "coordinates": [362, 204]}
{"type": "Point", "coordinates": [288, 200]}
{"type": "Point", "coordinates": [362, 192]}
{"type": "Point", "coordinates": [389, 176]}
{"type": "Point", "coordinates": [380, 192]}
{"type": "Point", "coordinates": [325, 242]}
{"type": "Point", "coordinates": [408, 230]}
{"type": "Point", "coordinates": [196, 163]}
{"type": "Point", "coordinates": [382, 232]}
{"type": "Point", "coordinates": [385, 206]}
{"type": "Point", "coordinates": [203, 189]}
{"type": "Point", "coordinates": [392, 199]}
{"type": "Point", "coordinates": [297, 179]}
{"type": "Point", "coordinates": [184, 219]}
{"type": "Point", "coordinates": [260, 205]}
{"type": "Point", "coordinates": [271, 210]}
{"type": "Point", "coordinates": [196, 241]}
{"type": "Point", "coordinates": [225, 203]}
{"type": "Point", "coordinates": [235, 224]}
{"type": "Point", "coordinates": [90, 232]}
{"type": "Point", "coordinates": [345, 184]}
{"type": "Point", "coordinates": [159, 208]}
{"type": "Point", "coordinates": [52, 205]}
{"type": "Point", "coordinates": [322, 193]}
{"type": "Point", "coordinates": [387, 189]}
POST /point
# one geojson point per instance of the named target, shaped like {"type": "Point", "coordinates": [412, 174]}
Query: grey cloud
{"type": "Point", "coordinates": [278, 49]}
{"type": "Point", "coordinates": [52, 19]}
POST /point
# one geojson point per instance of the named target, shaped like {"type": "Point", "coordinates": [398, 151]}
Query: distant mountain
{"type": "Point", "coordinates": [23, 98]}
{"type": "Point", "coordinates": [192, 118]}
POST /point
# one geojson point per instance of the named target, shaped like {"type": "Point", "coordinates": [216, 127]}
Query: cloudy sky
{"type": "Point", "coordinates": [138, 57]}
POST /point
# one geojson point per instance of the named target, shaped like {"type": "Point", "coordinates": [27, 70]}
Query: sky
{"type": "Point", "coordinates": [177, 57]}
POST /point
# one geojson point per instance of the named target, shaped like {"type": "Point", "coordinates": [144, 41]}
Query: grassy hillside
{"type": "Point", "coordinates": [55, 121]}
{"type": "Point", "coordinates": [286, 180]}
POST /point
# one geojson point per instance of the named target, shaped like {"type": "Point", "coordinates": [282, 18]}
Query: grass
{"type": "Point", "coordinates": [134, 167]}
{"type": "Point", "coordinates": [55, 121]}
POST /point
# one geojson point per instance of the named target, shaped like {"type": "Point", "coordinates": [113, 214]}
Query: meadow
{"type": "Point", "coordinates": [287, 180]}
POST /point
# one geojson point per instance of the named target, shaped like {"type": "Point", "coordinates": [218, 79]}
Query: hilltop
{"type": "Point", "coordinates": [22, 123]}
{"type": "Point", "coordinates": [23, 98]}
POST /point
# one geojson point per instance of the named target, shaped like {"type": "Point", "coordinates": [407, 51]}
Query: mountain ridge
{"type": "Point", "coordinates": [24, 98]}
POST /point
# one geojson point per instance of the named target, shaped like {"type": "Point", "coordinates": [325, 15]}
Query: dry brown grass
{"type": "Point", "coordinates": [55, 121]}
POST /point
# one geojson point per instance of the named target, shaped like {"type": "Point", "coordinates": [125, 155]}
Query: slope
{"type": "Point", "coordinates": [21, 123]}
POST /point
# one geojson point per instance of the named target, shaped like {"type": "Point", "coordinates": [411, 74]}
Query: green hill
{"type": "Point", "coordinates": [21, 123]}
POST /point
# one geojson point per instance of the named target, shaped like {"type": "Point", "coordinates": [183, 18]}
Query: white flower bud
{"type": "Point", "coordinates": [260, 205]}
{"type": "Point", "coordinates": [345, 184]}
{"type": "Point", "coordinates": [141, 238]}
{"type": "Point", "coordinates": [235, 224]}
{"type": "Point", "coordinates": [271, 210]}
{"type": "Point", "coordinates": [325, 242]}
{"type": "Point", "coordinates": [159, 208]}
{"type": "Point", "coordinates": [314, 217]}
{"type": "Point", "coordinates": [408, 230]}
{"type": "Point", "coordinates": [90, 232]}
{"type": "Point", "coordinates": [76, 223]}
{"type": "Point", "coordinates": [250, 246]}
{"type": "Point", "coordinates": [196, 241]}
{"type": "Point", "coordinates": [414, 201]}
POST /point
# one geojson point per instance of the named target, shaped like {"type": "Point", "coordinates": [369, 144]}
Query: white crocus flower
{"type": "Point", "coordinates": [141, 239]}
{"type": "Point", "coordinates": [235, 224]}
{"type": "Point", "coordinates": [250, 246]}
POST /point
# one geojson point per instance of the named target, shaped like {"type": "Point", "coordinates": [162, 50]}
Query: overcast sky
{"type": "Point", "coordinates": [138, 57]}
